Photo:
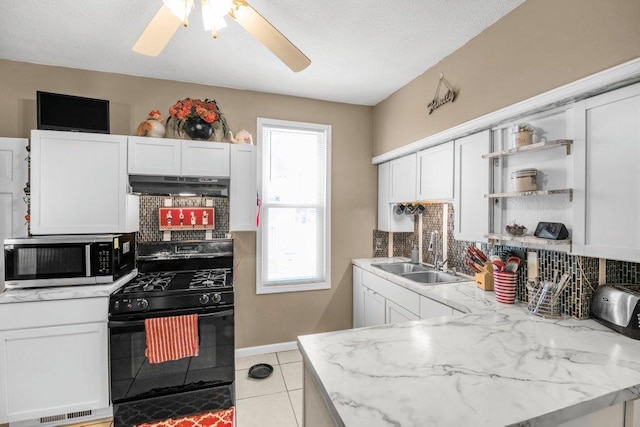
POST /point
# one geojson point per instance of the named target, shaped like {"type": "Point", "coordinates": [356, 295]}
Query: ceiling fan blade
{"type": "Point", "coordinates": [267, 34]}
{"type": "Point", "coordinates": [158, 33]}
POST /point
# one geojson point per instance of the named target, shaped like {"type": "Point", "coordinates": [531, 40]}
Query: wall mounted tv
{"type": "Point", "coordinates": [72, 113]}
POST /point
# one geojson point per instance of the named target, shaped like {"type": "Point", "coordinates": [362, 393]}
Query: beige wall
{"type": "Point", "coordinates": [541, 45]}
{"type": "Point", "coordinates": [263, 319]}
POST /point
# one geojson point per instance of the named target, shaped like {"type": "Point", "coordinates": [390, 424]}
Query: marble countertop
{"type": "Point", "coordinates": [495, 366]}
{"type": "Point", "coordinates": [64, 292]}
{"type": "Point", "coordinates": [463, 296]}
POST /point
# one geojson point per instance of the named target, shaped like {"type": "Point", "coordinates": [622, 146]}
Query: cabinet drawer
{"type": "Point", "coordinates": [405, 298]}
{"type": "Point", "coordinates": [53, 313]}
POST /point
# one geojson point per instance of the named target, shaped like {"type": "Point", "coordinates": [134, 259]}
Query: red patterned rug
{"type": "Point", "coordinates": [222, 418]}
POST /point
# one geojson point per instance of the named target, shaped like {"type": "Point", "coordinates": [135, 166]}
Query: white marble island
{"type": "Point", "coordinates": [492, 367]}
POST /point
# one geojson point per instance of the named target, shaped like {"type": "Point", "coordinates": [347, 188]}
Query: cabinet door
{"type": "Point", "coordinates": [607, 195]}
{"type": "Point", "coordinates": [403, 179]}
{"type": "Point", "coordinates": [471, 179]}
{"type": "Point", "coordinates": [13, 178]}
{"type": "Point", "coordinates": [202, 158]}
{"type": "Point", "coordinates": [53, 371]}
{"type": "Point", "coordinates": [435, 173]}
{"type": "Point", "coordinates": [373, 308]}
{"type": "Point", "coordinates": [154, 156]}
{"type": "Point", "coordinates": [243, 188]}
{"type": "Point", "coordinates": [430, 308]}
{"type": "Point", "coordinates": [397, 314]}
{"type": "Point", "coordinates": [387, 220]}
{"type": "Point", "coordinates": [79, 184]}
{"type": "Point", "coordinates": [358, 298]}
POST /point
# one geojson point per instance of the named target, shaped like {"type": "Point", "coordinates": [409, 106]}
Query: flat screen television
{"type": "Point", "coordinates": [72, 113]}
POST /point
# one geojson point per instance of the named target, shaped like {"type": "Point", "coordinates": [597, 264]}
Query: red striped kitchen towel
{"type": "Point", "coordinates": [171, 338]}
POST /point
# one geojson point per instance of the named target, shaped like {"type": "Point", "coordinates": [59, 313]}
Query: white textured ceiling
{"type": "Point", "coordinates": [361, 50]}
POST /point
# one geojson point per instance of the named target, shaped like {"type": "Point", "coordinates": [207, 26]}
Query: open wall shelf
{"type": "Point", "coordinates": [544, 145]}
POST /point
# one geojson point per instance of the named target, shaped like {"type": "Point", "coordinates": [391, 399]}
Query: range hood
{"type": "Point", "coordinates": [179, 185]}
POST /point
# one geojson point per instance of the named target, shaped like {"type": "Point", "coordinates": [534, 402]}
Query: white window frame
{"type": "Point", "coordinates": [261, 288]}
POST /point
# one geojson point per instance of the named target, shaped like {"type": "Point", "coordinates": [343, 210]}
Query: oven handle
{"type": "Point", "coordinates": [126, 323]}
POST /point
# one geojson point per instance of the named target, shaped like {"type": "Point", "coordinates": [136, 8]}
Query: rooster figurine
{"type": "Point", "coordinates": [152, 126]}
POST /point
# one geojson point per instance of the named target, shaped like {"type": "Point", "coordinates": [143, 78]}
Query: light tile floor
{"type": "Point", "coordinates": [272, 402]}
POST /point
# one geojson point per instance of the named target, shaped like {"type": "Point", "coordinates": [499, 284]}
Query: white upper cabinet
{"type": "Point", "coordinates": [177, 157]}
{"type": "Point", "coordinates": [387, 219]}
{"type": "Point", "coordinates": [79, 184]}
{"type": "Point", "coordinates": [471, 180]}
{"type": "Point", "coordinates": [243, 188]}
{"type": "Point", "coordinates": [607, 194]}
{"type": "Point", "coordinates": [435, 173]}
{"type": "Point", "coordinates": [154, 156]}
{"type": "Point", "coordinates": [402, 173]}
{"type": "Point", "coordinates": [204, 158]}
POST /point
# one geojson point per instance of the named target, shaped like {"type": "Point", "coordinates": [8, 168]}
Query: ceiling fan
{"type": "Point", "coordinates": [175, 12]}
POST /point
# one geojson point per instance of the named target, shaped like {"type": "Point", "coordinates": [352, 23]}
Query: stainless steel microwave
{"type": "Point", "coordinates": [68, 260]}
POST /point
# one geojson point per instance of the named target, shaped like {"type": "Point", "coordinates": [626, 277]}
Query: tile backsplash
{"type": "Point", "coordinates": [583, 271]}
{"type": "Point", "coordinates": [149, 218]}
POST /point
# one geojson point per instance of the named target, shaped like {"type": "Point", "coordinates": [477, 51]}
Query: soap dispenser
{"type": "Point", "coordinates": [414, 254]}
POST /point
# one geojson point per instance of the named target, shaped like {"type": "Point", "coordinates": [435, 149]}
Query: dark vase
{"type": "Point", "coordinates": [197, 128]}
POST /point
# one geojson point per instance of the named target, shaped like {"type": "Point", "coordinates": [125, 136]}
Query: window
{"type": "Point", "coordinates": [293, 239]}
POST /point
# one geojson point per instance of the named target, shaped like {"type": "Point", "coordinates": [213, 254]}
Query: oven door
{"type": "Point", "coordinates": [144, 392]}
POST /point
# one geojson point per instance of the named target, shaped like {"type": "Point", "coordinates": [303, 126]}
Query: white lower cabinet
{"type": "Point", "coordinates": [430, 308]}
{"type": "Point", "coordinates": [397, 314]}
{"type": "Point", "coordinates": [53, 371]}
{"type": "Point", "coordinates": [358, 297]}
{"type": "Point", "coordinates": [378, 301]}
{"type": "Point", "coordinates": [373, 308]}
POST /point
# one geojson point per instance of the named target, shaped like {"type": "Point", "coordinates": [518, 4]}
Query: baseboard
{"type": "Point", "coordinates": [264, 349]}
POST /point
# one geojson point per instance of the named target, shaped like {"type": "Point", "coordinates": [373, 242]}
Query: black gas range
{"type": "Point", "coordinates": [175, 278]}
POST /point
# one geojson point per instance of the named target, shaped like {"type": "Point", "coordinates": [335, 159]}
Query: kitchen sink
{"type": "Point", "coordinates": [401, 267]}
{"type": "Point", "coordinates": [432, 277]}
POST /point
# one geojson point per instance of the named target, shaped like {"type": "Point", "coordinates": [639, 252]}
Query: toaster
{"type": "Point", "coordinates": [618, 307]}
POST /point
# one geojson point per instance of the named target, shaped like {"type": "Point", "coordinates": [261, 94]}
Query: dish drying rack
{"type": "Point", "coordinates": [544, 297]}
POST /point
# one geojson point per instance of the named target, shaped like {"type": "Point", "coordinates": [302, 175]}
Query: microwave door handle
{"type": "Point", "coordinates": [87, 259]}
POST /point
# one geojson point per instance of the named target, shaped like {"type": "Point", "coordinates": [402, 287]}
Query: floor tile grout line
{"type": "Point", "coordinates": [262, 395]}
{"type": "Point", "coordinates": [293, 409]}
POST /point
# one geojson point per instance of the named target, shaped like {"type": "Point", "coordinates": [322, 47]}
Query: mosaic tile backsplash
{"type": "Point", "coordinates": [149, 229]}
{"type": "Point", "coordinates": [583, 271]}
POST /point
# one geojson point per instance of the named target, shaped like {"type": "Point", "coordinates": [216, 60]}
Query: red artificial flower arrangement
{"type": "Point", "coordinates": [207, 110]}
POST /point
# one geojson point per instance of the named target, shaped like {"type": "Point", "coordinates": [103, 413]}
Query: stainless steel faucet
{"type": "Point", "coordinates": [433, 247]}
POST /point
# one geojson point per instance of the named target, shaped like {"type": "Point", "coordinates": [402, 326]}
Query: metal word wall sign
{"type": "Point", "coordinates": [186, 219]}
{"type": "Point", "coordinates": [438, 102]}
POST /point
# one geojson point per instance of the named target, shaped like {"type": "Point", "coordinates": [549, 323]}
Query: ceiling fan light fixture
{"type": "Point", "coordinates": [180, 8]}
{"type": "Point", "coordinates": [213, 13]}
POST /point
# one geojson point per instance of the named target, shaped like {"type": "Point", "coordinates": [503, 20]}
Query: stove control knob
{"type": "Point", "coordinates": [217, 298]}
{"type": "Point", "coordinates": [204, 298]}
{"type": "Point", "coordinates": [143, 303]}
{"type": "Point", "coordinates": [116, 305]}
